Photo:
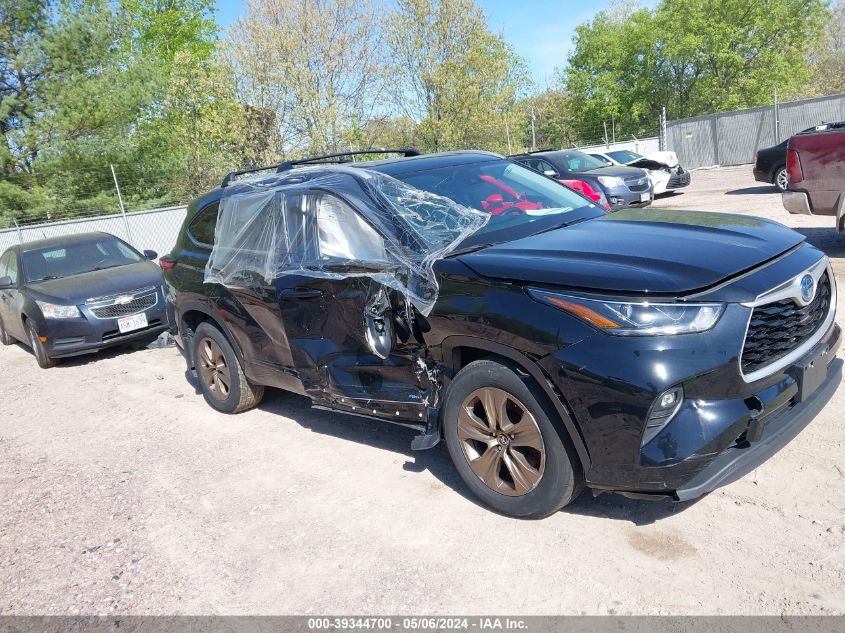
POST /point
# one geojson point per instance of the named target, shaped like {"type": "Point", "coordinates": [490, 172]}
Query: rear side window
{"type": "Point", "coordinates": [201, 228]}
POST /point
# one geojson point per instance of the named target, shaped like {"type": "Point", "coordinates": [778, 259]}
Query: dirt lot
{"type": "Point", "coordinates": [122, 492]}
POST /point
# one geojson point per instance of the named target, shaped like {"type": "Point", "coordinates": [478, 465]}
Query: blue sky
{"type": "Point", "coordinates": [540, 30]}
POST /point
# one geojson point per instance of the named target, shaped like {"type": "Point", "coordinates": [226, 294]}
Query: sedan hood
{"type": "Point", "coordinates": [620, 171]}
{"type": "Point", "coordinates": [639, 251]}
{"type": "Point", "coordinates": [656, 160]}
{"type": "Point", "coordinates": [77, 289]}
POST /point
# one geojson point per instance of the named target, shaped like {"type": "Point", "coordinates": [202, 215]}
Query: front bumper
{"type": "Point", "coordinates": [725, 426]}
{"type": "Point", "coordinates": [87, 334]}
{"type": "Point", "coordinates": [796, 202]}
{"type": "Point", "coordinates": [679, 180]}
{"type": "Point", "coordinates": [620, 198]}
{"type": "Point", "coordinates": [780, 429]}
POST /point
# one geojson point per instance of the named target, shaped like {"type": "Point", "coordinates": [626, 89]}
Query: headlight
{"type": "Point", "coordinates": [611, 181]}
{"type": "Point", "coordinates": [636, 319]}
{"type": "Point", "coordinates": [55, 311]}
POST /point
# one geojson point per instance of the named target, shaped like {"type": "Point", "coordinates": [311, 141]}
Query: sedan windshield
{"type": "Point", "coordinates": [55, 262]}
{"type": "Point", "coordinates": [624, 156]}
{"type": "Point", "coordinates": [513, 195]}
{"type": "Point", "coordinates": [577, 161]}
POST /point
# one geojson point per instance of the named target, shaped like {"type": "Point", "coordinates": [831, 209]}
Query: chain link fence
{"type": "Point", "coordinates": [732, 138]}
{"type": "Point", "coordinates": [154, 229]}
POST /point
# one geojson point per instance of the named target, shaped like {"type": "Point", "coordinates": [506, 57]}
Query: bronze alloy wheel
{"type": "Point", "coordinates": [501, 441]}
{"type": "Point", "coordinates": [213, 370]}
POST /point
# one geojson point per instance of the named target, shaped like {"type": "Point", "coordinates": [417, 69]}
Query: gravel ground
{"type": "Point", "coordinates": [122, 492]}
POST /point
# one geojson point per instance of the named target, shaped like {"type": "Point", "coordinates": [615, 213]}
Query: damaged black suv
{"type": "Point", "coordinates": [655, 354]}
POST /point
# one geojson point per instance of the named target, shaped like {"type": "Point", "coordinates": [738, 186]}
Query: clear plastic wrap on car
{"type": "Point", "coordinates": [333, 223]}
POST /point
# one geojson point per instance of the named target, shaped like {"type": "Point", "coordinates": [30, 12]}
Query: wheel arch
{"type": "Point", "coordinates": [191, 316]}
{"type": "Point", "coordinates": [459, 351]}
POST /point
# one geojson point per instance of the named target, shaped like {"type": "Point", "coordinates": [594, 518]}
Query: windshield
{"type": "Point", "coordinates": [512, 195]}
{"type": "Point", "coordinates": [577, 161]}
{"type": "Point", "coordinates": [55, 262]}
{"type": "Point", "coordinates": [624, 156]}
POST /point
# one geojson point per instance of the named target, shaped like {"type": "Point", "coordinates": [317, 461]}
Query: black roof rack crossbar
{"type": "Point", "coordinates": [328, 159]}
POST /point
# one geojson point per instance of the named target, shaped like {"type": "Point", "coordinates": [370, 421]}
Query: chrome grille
{"type": "Point", "coordinates": [778, 328]}
{"type": "Point", "coordinates": [123, 305]}
{"type": "Point", "coordinates": [637, 184]}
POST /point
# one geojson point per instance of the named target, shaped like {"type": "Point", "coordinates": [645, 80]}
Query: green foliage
{"type": "Point", "coordinates": [692, 56]}
{"type": "Point", "coordinates": [450, 74]}
{"type": "Point", "coordinates": [827, 61]}
{"type": "Point", "coordinates": [86, 83]}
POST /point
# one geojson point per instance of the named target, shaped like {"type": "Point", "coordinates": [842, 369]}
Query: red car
{"type": "Point", "coordinates": [815, 164]}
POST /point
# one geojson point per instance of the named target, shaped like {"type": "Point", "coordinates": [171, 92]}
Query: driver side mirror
{"type": "Point", "coordinates": [5, 282]}
{"type": "Point", "coordinates": [151, 255]}
{"type": "Point", "coordinates": [551, 173]}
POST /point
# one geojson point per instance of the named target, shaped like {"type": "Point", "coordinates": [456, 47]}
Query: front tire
{"type": "Point", "coordinates": [224, 385]}
{"type": "Point", "coordinates": [44, 361]}
{"type": "Point", "coordinates": [781, 180]}
{"type": "Point", "coordinates": [502, 441]}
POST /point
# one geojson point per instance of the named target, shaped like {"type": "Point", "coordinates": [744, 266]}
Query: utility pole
{"type": "Point", "coordinates": [508, 135]}
{"type": "Point", "coordinates": [122, 208]}
{"type": "Point", "coordinates": [17, 226]}
{"type": "Point", "coordinates": [533, 130]}
{"type": "Point", "coordinates": [777, 118]}
{"type": "Point", "coordinates": [606, 142]}
{"type": "Point", "coordinates": [613, 127]}
{"type": "Point", "coordinates": [662, 140]}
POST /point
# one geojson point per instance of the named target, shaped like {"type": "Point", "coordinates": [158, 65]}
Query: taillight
{"type": "Point", "coordinates": [793, 166]}
{"type": "Point", "coordinates": [166, 263]}
{"type": "Point", "coordinates": [756, 157]}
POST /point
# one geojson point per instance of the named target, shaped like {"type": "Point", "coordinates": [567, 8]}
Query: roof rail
{"type": "Point", "coordinates": [329, 159]}
{"type": "Point", "coordinates": [534, 151]}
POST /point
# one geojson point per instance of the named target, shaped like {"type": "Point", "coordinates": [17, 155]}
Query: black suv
{"type": "Point", "coordinates": [650, 353]}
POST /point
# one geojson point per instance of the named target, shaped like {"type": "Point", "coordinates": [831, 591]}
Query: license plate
{"type": "Point", "coordinates": [644, 197]}
{"type": "Point", "coordinates": [811, 374]}
{"type": "Point", "coordinates": [132, 323]}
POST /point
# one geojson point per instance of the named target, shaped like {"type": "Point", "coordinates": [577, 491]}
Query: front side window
{"type": "Point", "coordinates": [56, 262]}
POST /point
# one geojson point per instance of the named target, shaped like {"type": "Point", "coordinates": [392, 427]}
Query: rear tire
{"type": "Point", "coordinates": [5, 337]}
{"type": "Point", "coordinates": [41, 357]}
{"type": "Point", "coordinates": [516, 461]}
{"type": "Point", "coordinates": [781, 180]}
{"type": "Point", "coordinates": [224, 385]}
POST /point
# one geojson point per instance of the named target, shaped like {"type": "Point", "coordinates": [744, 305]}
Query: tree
{"type": "Point", "coordinates": [451, 75]}
{"type": "Point", "coordinates": [86, 83]}
{"type": "Point", "coordinates": [691, 56]}
{"type": "Point", "coordinates": [827, 62]}
{"type": "Point", "coordinates": [310, 68]}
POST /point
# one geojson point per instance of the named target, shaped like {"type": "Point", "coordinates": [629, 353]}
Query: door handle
{"type": "Point", "coordinates": [300, 293]}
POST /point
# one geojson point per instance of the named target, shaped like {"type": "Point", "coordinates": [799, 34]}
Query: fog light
{"type": "Point", "coordinates": [662, 411]}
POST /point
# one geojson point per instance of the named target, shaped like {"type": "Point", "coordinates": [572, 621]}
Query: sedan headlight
{"type": "Point", "coordinates": [56, 311]}
{"type": "Point", "coordinates": [636, 319]}
{"type": "Point", "coordinates": [611, 181]}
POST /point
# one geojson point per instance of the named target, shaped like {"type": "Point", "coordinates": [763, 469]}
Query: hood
{"type": "Point", "coordinates": [639, 251]}
{"type": "Point", "coordinates": [619, 171]}
{"type": "Point", "coordinates": [656, 160]}
{"type": "Point", "coordinates": [77, 289]}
